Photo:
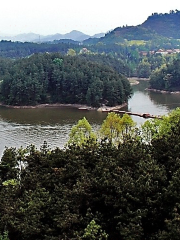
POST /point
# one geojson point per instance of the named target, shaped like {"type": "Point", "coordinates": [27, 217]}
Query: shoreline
{"type": "Point", "coordinates": [103, 108]}
{"type": "Point", "coordinates": [162, 91]}
{"type": "Point", "coordinates": [61, 105]}
{"type": "Point", "coordinates": [135, 80]}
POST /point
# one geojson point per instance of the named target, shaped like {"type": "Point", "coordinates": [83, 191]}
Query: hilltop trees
{"type": "Point", "coordinates": [164, 24]}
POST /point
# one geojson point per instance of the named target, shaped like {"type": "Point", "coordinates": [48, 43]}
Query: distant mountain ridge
{"type": "Point", "coordinates": [32, 37]}
{"type": "Point", "coordinates": [23, 37]}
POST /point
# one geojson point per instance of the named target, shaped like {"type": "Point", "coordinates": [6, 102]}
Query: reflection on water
{"type": "Point", "coordinates": [171, 101]}
{"type": "Point", "coordinates": [156, 103]}
{"type": "Point", "coordinates": [22, 127]}
{"type": "Point", "coordinates": [44, 116]}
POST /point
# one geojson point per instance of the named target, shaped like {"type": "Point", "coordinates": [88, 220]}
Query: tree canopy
{"type": "Point", "coordinates": [52, 78]}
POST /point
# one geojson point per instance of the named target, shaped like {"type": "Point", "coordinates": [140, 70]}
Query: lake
{"type": "Point", "coordinates": [22, 127]}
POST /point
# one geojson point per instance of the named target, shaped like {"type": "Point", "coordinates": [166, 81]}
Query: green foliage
{"type": "Point", "coordinates": [4, 236]}
{"type": "Point", "coordinates": [81, 133]}
{"type": "Point", "coordinates": [144, 69]}
{"type": "Point", "coordinates": [17, 50]}
{"type": "Point", "coordinates": [156, 128]}
{"type": "Point", "coordinates": [71, 52]}
{"type": "Point", "coordinates": [166, 77]}
{"type": "Point", "coordinates": [8, 166]}
{"type": "Point", "coordinates": [114, 128]}
{"type": "Point", "coordinates": [94, 231]}
{"type": "Point", "coordinates": [12, 182]}
{"type": "Point", "coordinates": [135, 42]}
{"type": "Point", "coordinates": [107, 59]}
{"type": "Point", "coordinates": [58, 61]}
{"type": "Point", "coordinates": [127, 124]}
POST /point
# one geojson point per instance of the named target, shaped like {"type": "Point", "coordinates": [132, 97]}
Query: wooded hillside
{"type": "Point", "coordinates": [167, 77]}
{"type": "Point", "coordinates": [166, 24]}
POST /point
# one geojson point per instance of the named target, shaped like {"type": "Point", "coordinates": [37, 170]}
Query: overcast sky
{"type": "Point", "coordinates": [62, 16]}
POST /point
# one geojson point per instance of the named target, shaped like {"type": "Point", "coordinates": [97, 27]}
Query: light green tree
{"type": "Point", "coordinates": [11, 182]}
{"type": "Point", "coordinates": [71, 52]}
{"type": "Point", "coordinates": [127, 124]}
{"type": "Point", "coordinates": [144, 69]}
{"type": "Point", "coordinates": [4, 236]}
{"type": "Point", "coordinates": [94, 231]}
{"type": "Point", "coordinates": [150, 129]}
{"type": "Point", "coordinates": [155, 128]}
{"type": "Point", "coordinates": [58, 61]}
{"type": "Point", "coordinates": [115, 128]}
{"type": "Point", "coordinates": [81, 133]}
{"type": "Point", "coordinates": [111, 127]}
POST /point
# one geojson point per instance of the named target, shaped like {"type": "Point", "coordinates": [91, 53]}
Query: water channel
{"type": "Point", "coordinates": [22, 127]}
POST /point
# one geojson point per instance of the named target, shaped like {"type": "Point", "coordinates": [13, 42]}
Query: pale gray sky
{"type": "Point", "coordinates": [62, 16]}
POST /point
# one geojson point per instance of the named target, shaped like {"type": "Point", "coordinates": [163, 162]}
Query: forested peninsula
{"type": "Point", "coordinates": [55, 78]}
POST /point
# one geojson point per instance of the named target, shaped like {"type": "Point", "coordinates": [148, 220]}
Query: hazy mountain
{"type": "Point", "coordinates": [76, 36]}
{"type": "Point", "coordinates": [73, 35]}
{"type": "Point", "coordinates": [98, 35]}
{"type": "Point", "coordinates": [33, 37]}
{"type": "Point", "coordinates": [25, 37]}
{"type": "Point", "coordinates": [49, 38]}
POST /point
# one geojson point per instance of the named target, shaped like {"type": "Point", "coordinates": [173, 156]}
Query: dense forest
{"type": "Point", "coordinates": [117, 64]}
{"type": "Point", "coordinates": [15, 50]}
{"type": "Point", "coordinates": [126, 58]}
{"type": "Point", "coordinates": [167, 77]}
{"type": "Point", "coordinates": [121, 183]}
{"type": "Point", "coordinates": [55, 78]}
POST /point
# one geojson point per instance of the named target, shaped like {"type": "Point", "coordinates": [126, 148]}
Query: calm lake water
{"type": "Point", "coordinates": [22, 127]}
